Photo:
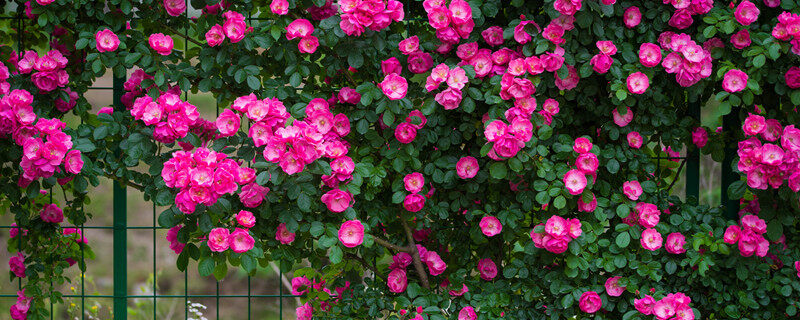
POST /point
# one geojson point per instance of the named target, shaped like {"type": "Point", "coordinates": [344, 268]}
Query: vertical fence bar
{"type": "Point", "coordinates": [730, 123]}
{"type": "Point", "coordinates": [693, 159]}
{"type": "Point", "coordinates": [120, 232]}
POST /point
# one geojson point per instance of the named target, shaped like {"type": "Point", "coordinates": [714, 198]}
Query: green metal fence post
{"type": "Point", "coordinates": [693, 159]}
{"type": "Point", "coordinates": [730, 123]}
{"type": "Point", "coordinates": [120, 231]}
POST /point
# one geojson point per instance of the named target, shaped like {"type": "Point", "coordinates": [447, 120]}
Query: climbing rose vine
{"type": "Point", "coordinates": [428, 159]}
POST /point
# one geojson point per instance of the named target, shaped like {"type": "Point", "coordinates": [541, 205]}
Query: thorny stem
{"type": "Point", "coordinates": [411, 249]}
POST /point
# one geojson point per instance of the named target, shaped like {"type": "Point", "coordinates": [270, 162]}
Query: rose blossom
{"type": "Point", "coordinates": [351, 234]}
{"type": "Point", "coordinates": [613, 288]}
{"type": "Point", "coordinates": [215, 36]}
{"type": "Point", "coordinates": [590, 302]}
{"type": "Point", "coordinates": [246, 219]}
{"type": "Point", "coordinates": [337, 200]}
{"type": "Point", "coordinates": [622, 120]}
{"type": "Point", "coordinates": [397, 280]}
{"type": "Point", "coordinates": [51, 213]}
{"type": "Point", "coordinates": [228, 123]}
{"type": "Point", "coordinates": [675, 243]}
{"type": "Point", "coordinates": [734, 81]}
{"type": "Point", "coordinates": [467, 313]}
{"type": "Point", "coordinates": [73, 162]}
{"type": "Point", "coordinates": [582, 145]}
{"type": "Point", "coordinates": [651, 239]}
{"type": "Point", "coordinates": [106, 41]}
{"type": "Point", "coordinates": [575, 181]}
{"type": "Point", "coordinates": [414, 202]}
{"type": "Point", "coordinates": [634, 139]}
{"type": "Point", "coordinates": [487, 269]}
{"type": "Point", "coordinates": [283, 235]}
{"type": "Point", "coordinates": [218, 239]}
{"type": "Point", "coordinates": [405, 132]}
{"type": "Point", "coordinates": [792, 77]}
{"type": "Point", "coordinates": [490, 226]}
{"type": "Point", "coordinates": [175, 7]}
{"type": "Point", "coordinates": [746, 13]}
{"type": "Point", "coordinates": [414, 182]}
{"type": "Point", "coordinates": [741, 39]}
{"type": "Point", "coordinates": [754, 124]}
{"type": "Point", "coordinates": [638, 83]}
{"type": "Point", "coordinates": [632, 189]}
{"type": "Point", "coordinates": [240, 241]}
{"type": "Point", "coordinates": [632, 17]}
{"type": "Point", "coordinates": [467, 167]}
{"type": "Point", "coordinates": [279, 7]}
{"type": "Point", "coordinates": [644, 305]}
{"type": "Point", "coordinates": [394, 86]}
{"type": "Point", "coordinates": [649, 54]}
{"type": "Point", "coordinates": [161, 43]}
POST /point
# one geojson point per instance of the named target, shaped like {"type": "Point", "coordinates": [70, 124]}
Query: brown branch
{"type": "Point", "coordinates": [185, 36]}
{"type": "Point", "coordinates": [390, 245]}
{"type": "Point", "coordinates": [350, 78]}
{"type": "Point", "coordinates": [415, 254]}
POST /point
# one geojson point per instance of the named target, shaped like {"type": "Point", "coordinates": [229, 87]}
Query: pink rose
{"type": "Point", "coordinates": [601, 63]}
{"type": "Point", "coordinates": [283, 235]}
{"type": "Point", "coordinates": [17, 265]}
{"type": "Point", "coordinates": [632, 189]}
{"type": "Point", "coordinates": [754, 124]}
{"type": "Point", "coordinates": [638, 83]}
{"type": "Point", "coordinates": [308, 44]}
{"type": "Point", "coordinates": [467, 167]}
{"type": "Point", "coordinates": [582, 145]}
{"type": "Point", "coordinates": [493, 36]}
{"type": "Point", "coordinates": [234, 26]}
{"type": "Point", "coordinates": [394, 86]}
{"type": "Point", "coordinates": [556, 226]}
{"type": "Point", "coordinates": [414, 202]}
{"type": "Point", "coordinates": [215, 36]}
{"type": "Point", "coordinates": [351, 234]}
{"type": "Point", "coordinates": [575, 230]}
{"type": "Point", "coordinates": [73, 162]}
{"type": "Point", "coordinates": [337, 200]}
{"type": "Point", "coordinates": [246, 219]}
{"type": "Point", "coordinates": [106, 41]}
{"type": "Point", "coordinates": [490, 226]}
{"type": "Point", "coordinates": [467, 313]}
{"type": "Point", "coordinates": [675, 243]}
{"type": "Point", "coordinates": [436, 265]}
{"type": "Point", "coordinates": [228, 123]}
{"type": "Point", "coordinates": [644, 305]}
{"type": "Point", "coordinates": [304, 312]}
{"type": "Point", "coordinates": [622, 120]}
{"type": "Point", "coordinates": [649, 54]}
{"type": "Point", "coordinates": [651, 239]}
{"type": "Point", "coordinates": [252, 195]}
{"type": "Point", "coordinates": [634, 140]}
{"type": "Point", "coordinates": [51, 213]}
{"type": "Point", "coordinates": [746, 13]}
{"type": "Point", "coordinates": [419, 62]}
{"type": "Point", "coordinates": [792, 77]}
{"type": "Point", "coordinates": [587, 163]}
{"type": "Point", "coordinates": [299, 28]}
{"type": "Point", "coordinates": [590, 302]}
{"type": "Point", "coordinates": [279, 7]}
{"type": "Point", "coordinates": [391, 65]}
{"type": "Point", "coordinates": [734, 81]}
{"type": "Point", "coordinates": [613, 288]}
{"type": "Point", "coordinates": [699, 137]}
{"type": "Point", "coordinates": [632, 17]}
{"type": "Point", "coordinates": [161, 43]}
{"type": "Point", "coordinates": [487, 269]}
{"type": "Point", "coordinates": [449, 98]}
{"type": "Point", "coordinates": [175, 7]}
{"type": "Point", "coordinates": [575, 181]}
{"type": "Point", "coordinates": [218, 239]}
{"type": "Point", "coordinates": [649, 215]}
{"type": "Point", "coordinates": [240, 240]}
{"type": "Point", "coordinates": [587, 207]}
{"type": "Point", "coordinates": [741, 39]}
{"type": "Point", "coordinates": [414, 182]}
{"type": "Point", "coordinates": [409, 45]}
{"type": "Point", "coordinates": [397, 280]}
{"type": "Point", "coordinates": [405, 132]}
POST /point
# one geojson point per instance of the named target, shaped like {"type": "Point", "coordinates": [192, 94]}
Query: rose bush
{"type": "Point", "coordinates": [517, 189]}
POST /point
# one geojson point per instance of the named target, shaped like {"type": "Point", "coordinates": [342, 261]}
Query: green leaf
{"type": "Point", "coordinates": [559, 202]}
{"type": "Point", "coordinates": [81, 43]}
{"type": "Point", "coordinates": [623, 210]}
{"type": "Point", "coordinates": [498, 170]}
{"type": "Point", "coordinates": [317, 228]}
{"type": "Point", "coordinates": [100, 133]}
{"type": "Point", "coordinates": [670, 267]}
{"type": "Point", "coordinates": [304, 202]}
{"type": "Point", "coordinates": [220, 271]}
{"type": "Point", "coordinates": [355, 60]}
{"type": "Point", "coordinates": [612, 166]}
{"type": "Point", "coordinates": [759, 61]}
{"type": "Point", "coordinates": [131, 58]}
{"type": "Point", "coordinates": [335, 254]}
{"type": "Point", "coordinates": [206, 266]}
{"type": "Point", "coordinates": [248, 263]}
{"type": "Point", "coordinates": [623, 239]}
{"type": "Point", "coordinates": [253, 82]}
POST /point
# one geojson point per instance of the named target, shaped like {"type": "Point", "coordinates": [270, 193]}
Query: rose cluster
{"type": "Point", "coordinates": [455, 78]}
{"type": "Point", "coordinates": [221, 239]}
{"type": "Point", "coordinates": [418, 61]}
{"type": "Point", "coordinates": [373, 14]}
{"type": "Point", "coordinates": [684, 10]}
{"type": "Point", "coordinates": [673, 306]}
{"type": "Point", "coordinates": [509, 138]}
{"type": "Point", "coordinates": [47, 71]}
{"type": "Point", "coordinates": [414, 182]}
{"type": "Point", "coordinates": [203, 176]}
{"type": "Point", "coordinates": [397, 280]}
{"type": "Point", "coordinates": [586, 164]}
{"type": "Point", "coordinates": [602, 61]}
{"type": "Point", "coordinates": [234, 28]}
{"type": "Point", "coordinates": [788, 29]}
{"type": "Point", "coordinates": [749, 236]}
{"type": "Point", "coordinates": [770, 164]}
{"type": "Point", "coordinates": [302, 28]}
{"type": "Point", "coordinates": [451, 22]}
{"type": "Point", "coordinates": [45, 147]}
{"type": "Point", "coordinates": [558, 232]}
{"type": "Point", "coordinates": [432, 260]}
{"type": "Point", "coordinates": [689, 61]}
{"type": "Point", "coordinates": [172, 117]}
{"type": "Point", "coordinates": [302, 285]}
